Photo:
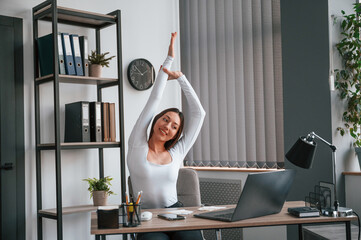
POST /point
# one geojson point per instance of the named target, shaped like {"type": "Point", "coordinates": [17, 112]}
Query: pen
{"type": "Point", "coordinates": [139, 196]}
{"type": "Point", "coordinates": [127, 206]}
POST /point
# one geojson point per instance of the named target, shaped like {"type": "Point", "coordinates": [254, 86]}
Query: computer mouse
{"type": "Point", "coordinates": [146, 216]}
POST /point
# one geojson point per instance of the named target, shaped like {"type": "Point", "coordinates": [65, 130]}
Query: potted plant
{"type": "Point", "coordinates": [99, 189]}
{"type": "Point", "coordinates": [97, 61]}
{"type": "Point", "coordinates": [348, 79]}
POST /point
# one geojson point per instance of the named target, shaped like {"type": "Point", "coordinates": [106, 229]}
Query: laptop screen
{"type": "Point", "coordinates": [263, 194]}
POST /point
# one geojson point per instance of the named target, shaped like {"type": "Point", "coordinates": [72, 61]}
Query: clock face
{"type": "Point", "coordinates": [141, 74]}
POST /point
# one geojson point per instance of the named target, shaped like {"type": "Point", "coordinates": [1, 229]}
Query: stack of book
{"type": "Point", "coordinates": [73, 54]}
{"type": "Point", "coordinates": [90, 122]}
{"type": "Point", "coordinates": [304, 212]}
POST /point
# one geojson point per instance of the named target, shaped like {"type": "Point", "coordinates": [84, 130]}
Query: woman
{"type": "Point", "coordinates": [154, 164]}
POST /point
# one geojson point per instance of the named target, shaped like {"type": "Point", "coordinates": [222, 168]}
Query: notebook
{"type": "Point", "coordinates": [263, 194]}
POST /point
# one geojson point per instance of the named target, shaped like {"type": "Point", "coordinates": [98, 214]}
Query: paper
{"type": "Point", "coordinates": [107, 207]}
{"type": "Point", "coordinates": [210, 208]}
{"type": "Point", "coordinates": [181, 211]}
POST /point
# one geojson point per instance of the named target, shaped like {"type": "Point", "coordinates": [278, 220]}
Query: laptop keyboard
{"type": "Point", "coordinates": [224, 216]}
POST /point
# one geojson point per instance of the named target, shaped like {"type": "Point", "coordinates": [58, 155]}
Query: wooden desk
{"type": "Point", "coordinates": [193, 223]}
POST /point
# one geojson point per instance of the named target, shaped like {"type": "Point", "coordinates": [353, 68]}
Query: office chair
{"type": "Point", "coordinates": [188, 190]}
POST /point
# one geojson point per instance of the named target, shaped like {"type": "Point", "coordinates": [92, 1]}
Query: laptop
{"type": "Point", "coordinates": [263, 194]}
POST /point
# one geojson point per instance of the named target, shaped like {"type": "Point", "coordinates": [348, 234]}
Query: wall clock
{"type": "Point", "coordinates": [141, 74]}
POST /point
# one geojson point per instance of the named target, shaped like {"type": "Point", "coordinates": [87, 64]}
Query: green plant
{"type": "Point", "coordinates": [102, 184]}
{"type": "Point", "coordinates": [99, 58]}
{"type": "Point", "coordinates": [348, 79]}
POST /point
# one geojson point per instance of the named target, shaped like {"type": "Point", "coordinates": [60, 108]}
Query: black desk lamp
{"type": "Point", "coordinates": [302, 153]}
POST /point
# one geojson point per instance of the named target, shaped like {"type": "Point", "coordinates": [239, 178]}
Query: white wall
{"type": "Point", "coordinates": [353, 189]}
{"type": "Point", "coordinates": [146, 28]}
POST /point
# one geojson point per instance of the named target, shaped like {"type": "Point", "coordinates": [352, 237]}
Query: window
{"type": "Point", "coordinates": [231, 54]}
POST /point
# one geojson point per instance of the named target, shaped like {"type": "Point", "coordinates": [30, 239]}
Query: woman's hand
{"type": "Point", "coordinates": [171, 45]}
{"type": "Point", "coordinates": [172, 74]}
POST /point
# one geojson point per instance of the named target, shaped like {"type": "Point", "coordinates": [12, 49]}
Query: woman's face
{"type": "Point", "coordinates": [166, 127]}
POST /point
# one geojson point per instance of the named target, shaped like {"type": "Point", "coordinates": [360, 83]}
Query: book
{"type": "Point", "coordinates": [105, 121]}
{"type": "Point", "coordinates": [304, 212]}
{"type": "Point", "coordinates": [112, 137]}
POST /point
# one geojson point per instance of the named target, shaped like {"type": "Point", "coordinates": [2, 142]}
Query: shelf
{"type": "Point", "coordinates": [79, 145]}
{"type": "Point", "coordinates": [50, 12]}
{"type": "Point", "coordinates": [352, 173]}
{"type": "Point", "coordinates": [69, 210]}
{"type": "Point", "coordinates": [78, 80]}
{"type": "Point", "coordinates": [76, 17]}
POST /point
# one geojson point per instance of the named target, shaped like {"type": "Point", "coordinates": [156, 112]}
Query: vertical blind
{"type": "Point", "coordinates": [231, 54]}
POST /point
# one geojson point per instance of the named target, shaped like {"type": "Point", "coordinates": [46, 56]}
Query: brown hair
{"type": "Point", "coordinates": [169, 144]}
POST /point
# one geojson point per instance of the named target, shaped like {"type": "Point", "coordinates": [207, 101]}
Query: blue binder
{"type": "Point", "coordinates": [75, 47]}
{"type": "Point", "coordinates": [61, 56]}
{"type": "Point", "coordinates": [68, 55]}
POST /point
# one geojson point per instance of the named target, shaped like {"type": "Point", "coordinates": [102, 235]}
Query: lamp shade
{"type": "Point", "coordinates": [302, 152]}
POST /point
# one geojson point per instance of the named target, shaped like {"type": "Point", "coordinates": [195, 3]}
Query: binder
{"type": "Point", "coordinates": [105, 122]}
{"type": "Point", "coordinates": [46, 56]}
{"type": "Point", "coordinates": [77, 122]}
{"type": "Point", "coordinates": [95, 120]}
{"type": "Point", "coordinates": [75, 49]}
{"type": "Point", "coordinates": [61, 56]}
{"type": "Point", "coordinates": [68, 55]}
{"type": "Point", "coordinates": [112, 122]}
{"type": "Point", "coordinates": [84, 51]}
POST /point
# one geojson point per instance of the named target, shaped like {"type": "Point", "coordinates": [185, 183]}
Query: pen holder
{"type": "Point", "coordinates": [130, 215]}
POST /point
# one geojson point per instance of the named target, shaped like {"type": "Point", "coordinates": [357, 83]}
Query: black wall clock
{"type": "Point", "coordinates": [141, 74]}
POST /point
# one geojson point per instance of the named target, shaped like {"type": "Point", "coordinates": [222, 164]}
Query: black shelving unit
{"type": "Point", "coordinates": [49, 11]}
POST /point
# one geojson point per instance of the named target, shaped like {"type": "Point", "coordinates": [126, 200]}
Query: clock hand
{"type": "Point", "coordinates": [138, 70]}
{"type": "Point", "coordinates": [147, 70]}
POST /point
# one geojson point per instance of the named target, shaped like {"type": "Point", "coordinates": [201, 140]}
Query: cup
{"type": "Point", "coordinates": [130, 214]}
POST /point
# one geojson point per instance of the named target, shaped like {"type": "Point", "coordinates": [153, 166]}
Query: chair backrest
{"type": "Point", "coordinates": [187, 187]}
{"type": "Point", "coordinates": [188, 190]}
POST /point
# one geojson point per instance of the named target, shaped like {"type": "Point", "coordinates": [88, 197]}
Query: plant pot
{"type": "Point", "coordinates": [100, 198]}
{"type": "Point", "coordinates": [358, 152]}
{"type": "Point", "coordinates": [95, 70]}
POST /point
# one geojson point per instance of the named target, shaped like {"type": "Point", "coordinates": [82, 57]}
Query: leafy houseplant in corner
{"type": "Point", "coordinates": [348, 79]}
{"type": "Point", "coordinates": [99, 189]}
{"type": "Point", "coordinates": [97, 61]}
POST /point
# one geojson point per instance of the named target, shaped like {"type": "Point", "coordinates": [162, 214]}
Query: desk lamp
{"type": "Point", "coordinates": [302, 153]}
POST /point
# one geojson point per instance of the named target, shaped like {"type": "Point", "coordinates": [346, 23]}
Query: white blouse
{"type": "Point", "coordinates": [158, 182]}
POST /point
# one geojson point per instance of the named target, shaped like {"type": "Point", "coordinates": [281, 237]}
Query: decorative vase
{"type": "Point", "coordinates": [100, 198]}
{"type": "Point", "coordinates": [358, 152]}
{"type": "Point", "coordinates": [95, 70]}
